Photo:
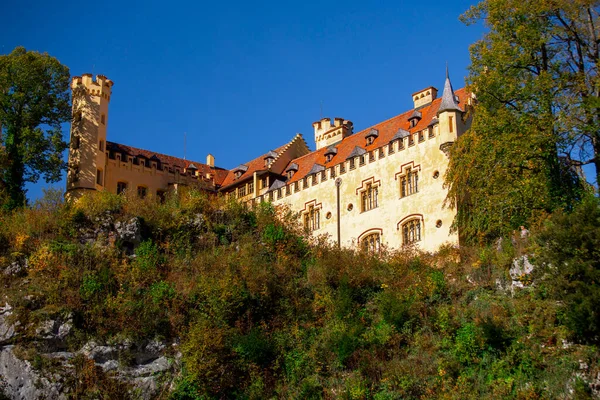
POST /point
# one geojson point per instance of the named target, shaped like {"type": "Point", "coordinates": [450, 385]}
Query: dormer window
{"type": "Point", "coordinates": [269, 158]}
{"type": "Point", "coordinates": [330, 153]}
{"type": "Point", "coordinates": [290, 174]}
{"type": "Point", "coordinates": [239, 171]}
{"type": "Point", "coordinates": [414, 118]}
{"type": "Point", "coordinates": [291, 170]}
{"type": "Point", "coordinates": [371, 136]}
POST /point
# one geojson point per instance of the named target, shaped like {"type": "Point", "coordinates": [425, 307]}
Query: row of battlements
{"type": "Point", "coordinates": [98, 86]}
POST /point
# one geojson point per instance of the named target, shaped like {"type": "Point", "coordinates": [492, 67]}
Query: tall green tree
{"type": "Point", "coordinates": [536, 119]}
{"type": "Point", "coordinates": [34, 102]}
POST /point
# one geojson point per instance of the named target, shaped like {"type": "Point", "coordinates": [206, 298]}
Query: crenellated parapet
{"type": "Point", "coordinates": [328, 133]}
{"type": "Point", "coordinates": [101, 86]}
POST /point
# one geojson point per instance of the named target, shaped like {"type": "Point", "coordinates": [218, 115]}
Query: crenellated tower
{"type": "Point", "coordinates": [327, 133]}
{"type": "Point", "coordinates": [87, 150]}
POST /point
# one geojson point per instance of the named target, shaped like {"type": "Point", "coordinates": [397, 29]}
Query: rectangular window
{"type": "Point", "coordinates": [121, 187]}
{"type": "Point", "coordinates": [342, 168]}
{"type": "Point", "coordinates": [296, 186]}
{"type": "Point", "coordinates": [103, 119]}
{"type": "Point", "coordinates": [369, 198]}
{"type": "Point", "coordinates": [323, 176]}
{"type": "Point", "coordinates": [401, 144]}
{"type": "Point", "coordinates": [431, 133]}
{"type": "Point", "coordinates": [305, 183]}
{"type": "Point", "coordinates": [332, 172]}
{"type": "Point", "coordinates": [271, 196]}
{"type": "Point", "coordinates": [371, 156]}
{"type": "Point", "coordinates": [264, 183]}
{"type": "Point", "coordinates": [421, 136]}
{"type": "Point", "coordinates": [361, 160]}
{"type": "Point", "coordinates": [99, 176]}
{"type": "Point", "coordinates": [75, 142]}
{"type": "Point", "coordinates": [101, 145]}
{"type": "Point", "coordinates": [409, 183]}
{"type": "Point", "coordinates": [411, 140]}
{"type": "Point", "coordinates": [352, 165]}
{"type": "Point", "coordinates": [142, 191]}
{"type": "Point", "coordinates": [251, 188]}
{"type": "Point", "coordinates": [312, 219]}
{"type": "Point", "coordinates": [381, 153]}
{"type": "Point", "coordinates": [278, 194]}
{"type": "Point", "coordinates": [451, 123]}
{"type": "Point", "coordinates": [391, 148]}
{"type": "Point", "coordinates": [314, 179]}
{"type": "Point", "coordinates": [288, 190]}
{"type": "Point", "coordinates": [242, 191]}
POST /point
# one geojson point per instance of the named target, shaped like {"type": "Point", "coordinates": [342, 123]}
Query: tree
{"type": "Point", "coordinates": [536, 119]}
{"type": "Point", "coordinates": [34, 102]}
{"type": "Point", "coordinates": [567, 253]}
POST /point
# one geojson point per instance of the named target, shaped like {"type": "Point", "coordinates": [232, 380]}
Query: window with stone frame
{"type": "Point", "coordinates": [342, 168]}
{"type": "Point", "coordinates": [352, 163]}
{"type": "Point", "coordinates": [361, 160]}
{"type": "Point", "coordinates": [121, 187]}
{"type": "Point", "coordinates": [250, 187]}
{"type": "Point", "coordinates": [381, 153]}
{"type": "Point", "coordinates": [411, 139]}
{"type": "Point", "coordinates": [371, 243]}
{"type": "Point", "coordinates": [314, 179]}
{"type": "Point", "coordinates": [332, 172]}
{"type": "Point", "coordinates": [411, 231]}
{"type": "Point", "coordinates": [371, 156]}
{"type": "Point", "coordinates": [296, 186]}
{"type": "Point", "coordinates": [142, 191]}
{"type": "Point", "coordinates": [369, 198]}
{"type": "Point", "coordinates": [391, 148]}
{"type": "Point", "coordinates": [312, 218]}
{"type": "Point", "coordinates": [421, 136]}
{"type": "Point", "coordinates": [409, 183]}
{"type": "Point", "coordinates": [323, 176]}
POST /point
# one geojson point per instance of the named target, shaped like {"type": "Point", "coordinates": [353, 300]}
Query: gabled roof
{"type": "Point", "coordinates": [292, 167]}
{"type": "Point", "coordinates": [331, 150]}
{"type": "Point", "coordinates": [277, 184]}
{"type": "Point", "coordinates": [258, 164]}
{"type": "Point", "coordinates": [358, 151]}
{"type": "Point", "coordinates": [372, 133]}
{"type": "Point", "coordinates": [271, 154]}
{"type": "Point", "coordinates": [415, 114]}
{"type": "Point", "coordinates": [219, 174]}
{"type": "Point", "coordinates": [316, 169]}
{"type": "Point", "coordinates": [387, 132]}
{"type": "Point", "coordinates": [242, 168]}
{"type": "Point", "coordinates": [401, 134]}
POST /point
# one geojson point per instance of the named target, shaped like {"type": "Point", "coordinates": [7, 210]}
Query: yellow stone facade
{"type": "Point", "coordinates": [379, 187]}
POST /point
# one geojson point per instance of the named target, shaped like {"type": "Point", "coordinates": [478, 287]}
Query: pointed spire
{"type": "Point", "coordinates": [449, 102]}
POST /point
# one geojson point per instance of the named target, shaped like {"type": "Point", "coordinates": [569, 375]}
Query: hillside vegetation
{"type": "Point", "coordinates": [251, 308]}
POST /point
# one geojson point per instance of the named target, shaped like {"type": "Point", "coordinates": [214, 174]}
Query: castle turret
{"type": "Point", "coordinates": [327, 133]}
{"type": "Point", "coordinates": [87, 153]}
{"type": "Point", "coordinates": [449, 115]}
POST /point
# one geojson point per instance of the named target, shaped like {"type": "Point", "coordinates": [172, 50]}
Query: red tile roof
{"type": "Point", "coordinates": [219, 174]}
{"type": "Point", "coordinates": [255, 165]}
{"type": "Point", "coordinates": [387, 129]}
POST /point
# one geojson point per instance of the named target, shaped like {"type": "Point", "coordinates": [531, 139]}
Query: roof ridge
{"type": "Point", "coordinates": [160, 154]}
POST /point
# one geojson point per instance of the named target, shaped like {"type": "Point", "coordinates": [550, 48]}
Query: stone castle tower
{"type": "Point", "coordinates": [87, 157]}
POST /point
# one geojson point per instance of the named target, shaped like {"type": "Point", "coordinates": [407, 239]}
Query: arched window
{"type": "Point", "coordinates": [411, 231]}
{"type": "Point", "coordinates": [371, 242]}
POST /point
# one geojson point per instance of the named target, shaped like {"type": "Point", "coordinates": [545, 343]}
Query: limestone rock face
{"type": "Point", "coordinates": [22, 382]}
{"type": "Point", "coordinates": [129, 233]}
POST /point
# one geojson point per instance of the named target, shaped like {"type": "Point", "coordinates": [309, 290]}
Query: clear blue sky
{"type": "Point", "coordinates": [244, 77]}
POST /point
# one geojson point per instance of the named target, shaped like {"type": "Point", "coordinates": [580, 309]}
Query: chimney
{"type": "Point", "coordinates": [424, 97]}
{"type": "Point", "coordinates": [210, 160]}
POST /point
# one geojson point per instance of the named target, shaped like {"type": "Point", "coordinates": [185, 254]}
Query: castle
{"type": "Point", "coordinates": [379, 186]}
